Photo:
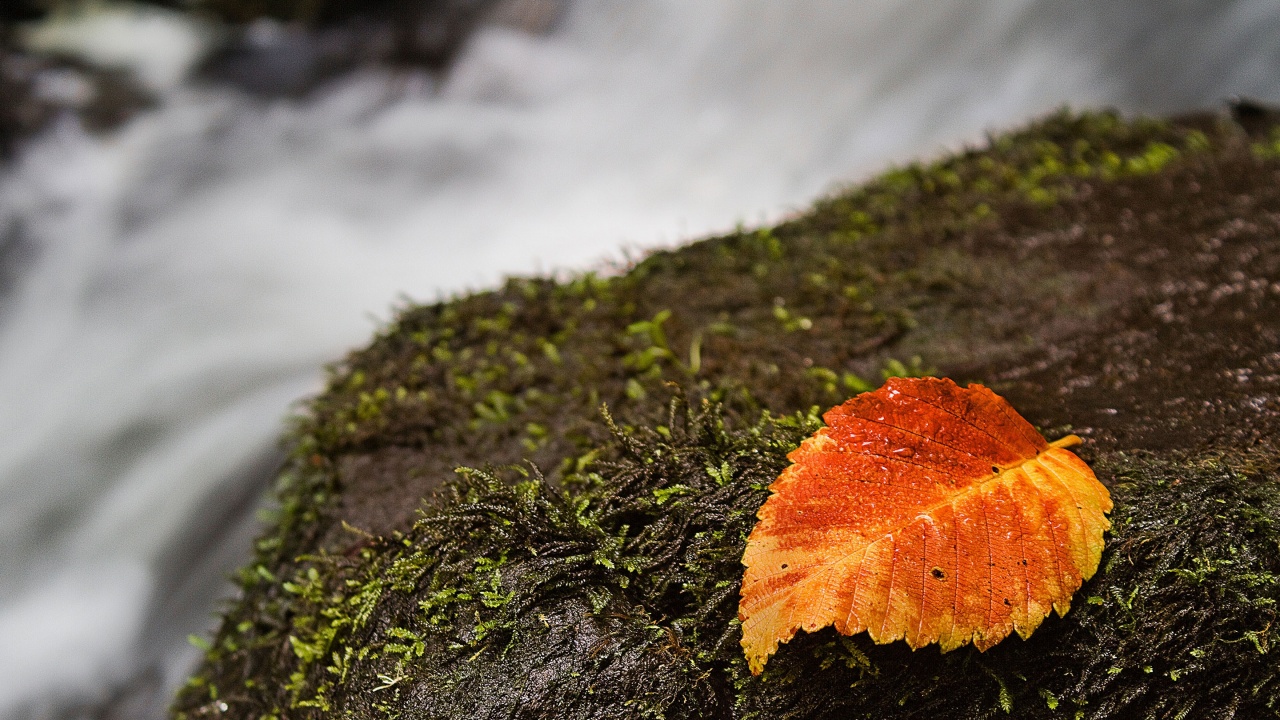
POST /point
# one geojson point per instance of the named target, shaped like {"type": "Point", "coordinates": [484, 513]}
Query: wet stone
{"type": "Point", "coordinates": [1116, 279]}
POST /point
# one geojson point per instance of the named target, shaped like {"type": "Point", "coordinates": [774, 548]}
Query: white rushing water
{"type": "Point", "coordinates": [189, 274]}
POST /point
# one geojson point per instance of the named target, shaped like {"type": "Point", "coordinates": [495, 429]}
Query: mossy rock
{"type": "Point", "coordinates": [1116, 279]}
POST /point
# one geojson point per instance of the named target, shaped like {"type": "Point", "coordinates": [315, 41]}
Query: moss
{"type": "Point", "coordinates": [588, 567]}
{"type": "Point", "coordinates": [1268, 149]}
{"type": "Point", "coordinates": [617, 598]}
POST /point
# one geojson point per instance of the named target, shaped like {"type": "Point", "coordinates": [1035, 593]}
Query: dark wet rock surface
{"type": "Point", "coordinates": [1118, 280]}
{"type": "Point", "coordinates": [1184, 352]}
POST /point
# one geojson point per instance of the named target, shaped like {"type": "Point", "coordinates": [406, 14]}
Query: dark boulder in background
{"type": "Point", "coordinates": [280, 48]}
{"type": "Point", "coordinates": [287, 47]}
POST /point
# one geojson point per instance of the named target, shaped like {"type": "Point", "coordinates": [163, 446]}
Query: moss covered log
{"type": "Point", "coordinates": [532, 502]}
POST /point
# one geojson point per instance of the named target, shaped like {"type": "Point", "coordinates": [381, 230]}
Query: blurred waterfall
{"type": "Point", "coordinates": [172, 288]}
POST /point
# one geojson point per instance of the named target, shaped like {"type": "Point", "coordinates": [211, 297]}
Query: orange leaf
{"type": "Point", "coordinates": [923, 511]}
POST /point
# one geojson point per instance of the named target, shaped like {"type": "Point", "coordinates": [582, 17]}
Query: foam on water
{"type": "Point", "coordinates": [194, 270]}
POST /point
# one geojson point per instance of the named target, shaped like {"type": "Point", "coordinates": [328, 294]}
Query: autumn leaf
{"type": "Point", "coordinates": [923, 511]}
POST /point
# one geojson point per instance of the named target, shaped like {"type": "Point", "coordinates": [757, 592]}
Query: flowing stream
{"type": "Point", "coordinates": [177, 285]}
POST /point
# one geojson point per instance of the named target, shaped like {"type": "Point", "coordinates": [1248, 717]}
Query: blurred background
{"type": "Point", "coordinates": [203, 202]}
